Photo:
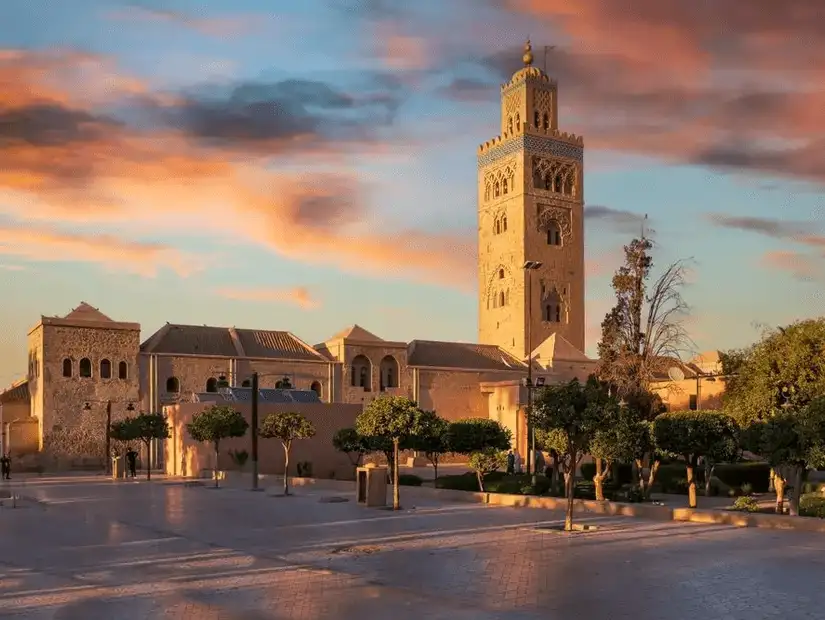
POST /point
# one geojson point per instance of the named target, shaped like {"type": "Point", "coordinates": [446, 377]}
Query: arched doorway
{"type": "Point", "coordinates": [316, 387]}
{"type": "Point", "coordinates": [389, 373]}
{"type": "Point", "coordinates": [361, 372]}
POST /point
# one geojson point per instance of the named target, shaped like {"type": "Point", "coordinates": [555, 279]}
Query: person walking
{"type": "Point", "coordinates": [131, 460]}
{"type": "Point", "coordinates": [511, 463]}
{"type": "Point", "coordinates": [5, 467]}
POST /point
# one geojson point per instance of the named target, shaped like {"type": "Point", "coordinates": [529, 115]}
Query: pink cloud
{"type": "Point", "coordinates": [299, 296]}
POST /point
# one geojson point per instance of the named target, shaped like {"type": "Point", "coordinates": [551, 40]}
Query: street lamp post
{"type": "Point", "coordinates": [108, 460]}
{"type": "Point", "coordinates": [530, 266]}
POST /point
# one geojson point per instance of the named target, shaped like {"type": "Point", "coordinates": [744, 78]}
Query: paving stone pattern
{"type": "Point", "coordinates": [90, 549]}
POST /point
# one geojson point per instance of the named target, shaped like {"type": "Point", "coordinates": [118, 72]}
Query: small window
{"type": "Point", "coordinates": [504, 224]}
{"type": "Point", "coordinates": [123, 371]}
{"type": "Point", "coordinates": [316, 387]}
{"type": "Point", "coordinates": [172, 385]}
{"type": "Point", "coordinates": [546, 121]}
{"type": "Point", "coordinates": [553, 235]}
{"type": "Point", "coordinates": [105, 369]}
{"type": "Point", "coordinates": [504, 186]}
{"type": "Point", "coordinates": [509, 128]}
{"type": "Point", "coordinates": [501, 299]}
{"type": "Point", "coordinates": [536, 121]}
{"type": "Point", "coordinates": [518, 122]}
{"type": "Point", "coordinates": [212, 385]}
{"type": "Point", "coordinates": [497, 190]}
{"type": "Point", "coordinates": [85, 369]}
{"type": "Point", "coordinates": [692, 402]}
{"type": "Point", "coordinates": [67, 367]}
{"type": "Point", "coordinates": [497, 227]}
{"type": "Point", "coordinates": [501, 274]}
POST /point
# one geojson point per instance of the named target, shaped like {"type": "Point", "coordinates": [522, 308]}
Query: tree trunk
{"type": "Point", "coordinates": [691, 465]}
{"type": "Point", "coordinates": [480, 477]}
{"type": "Point", "coordinates": [602, 468]}
{"type": "Point", "coordinates": [286, 469]}
{"type": "Point", "coordinates": [554, 476]}
{"type": "Point", "coordinates": [435, 470]}
{"type": "Point", "coordinates": [771, 485]}
{"type": "Point", "coordinates": [217, 452]}
{"type": "Point", "coordinates": [709, 469]}
{"type": "Point", "coordinates": [148, 461]}
{"type": "Point", "coordinates": [793, 501]}
{"type": "Point", "coordinates": [570, 484]}
{"type": "Point", "coordinates": [645, 486]}
{"type": "Point", "coordinates": [396, 495]}
{"type": "Point", "coordinates": [779, 487]}
{"type": "Point", "coordinates": [640, 472]}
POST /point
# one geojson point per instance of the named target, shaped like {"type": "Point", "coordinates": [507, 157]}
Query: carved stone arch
{"type": "Point", "coordinates": [494, 283]}
{"type": "Point", "coordinates": [561, 216]}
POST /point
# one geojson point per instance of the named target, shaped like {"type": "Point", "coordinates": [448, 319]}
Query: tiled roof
{"type": "Point", "coordinates": [357, 333]}
{"type": "Point", "coordinates": [16, 393]}
{"type": "Point", "coordinates": [461, 355]}
{"type": "Point", "coordinates": [276, 345]}
{"type": "Point", "coordinates": [85, 312]}
{"type": "Point", "coordinates": [221, 341]}
{"type": "Point", "coordinates": [191, 340]}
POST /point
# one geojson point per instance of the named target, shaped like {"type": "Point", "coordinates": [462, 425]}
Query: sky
{"type": "Point", "coordinates": [304, 166]}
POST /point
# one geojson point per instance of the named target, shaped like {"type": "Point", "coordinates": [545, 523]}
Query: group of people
{"type": "Point", "coordinates": [5, 467]}
{"type": "Point", "coordinates": [514, 462]}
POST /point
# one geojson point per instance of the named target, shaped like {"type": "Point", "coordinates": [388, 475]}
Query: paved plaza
{"type": "Point", "coordinates": [90, 548]}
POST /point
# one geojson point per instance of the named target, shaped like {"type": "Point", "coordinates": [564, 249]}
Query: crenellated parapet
{"type": "Point", "coordinates": [563, 136]}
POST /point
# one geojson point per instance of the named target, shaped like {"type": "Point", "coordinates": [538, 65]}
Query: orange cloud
{"type": "Point", "coordinates": [50, 245]}
{"type": "Point", "coordinates": [212, 26]}
{"type": "Point", "coordinates": [299, 296]}
{"type": "Point", "coordinates": [401, 51]}
{"type": "Point", "coordinates": [801, 266]}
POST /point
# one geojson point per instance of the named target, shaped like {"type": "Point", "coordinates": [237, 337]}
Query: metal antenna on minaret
{"type": "Point", "coordinates": [547, 48]}
{"type": "Point", "coordinates": [644, 227]}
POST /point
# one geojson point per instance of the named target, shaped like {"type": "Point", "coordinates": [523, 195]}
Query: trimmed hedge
{"type": "Point", "coordinates": [812, 505]}
{"type": "Point", "coordinates": [410, 480]}
{"type": "Point", "coordinates": [496, 482]}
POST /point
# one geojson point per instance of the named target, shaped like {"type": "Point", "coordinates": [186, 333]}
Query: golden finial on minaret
{"type": "Point", "coordinates": [528, 54]}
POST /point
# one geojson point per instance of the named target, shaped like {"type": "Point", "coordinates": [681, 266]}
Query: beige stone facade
{"type": "Point", "coordinates": [530, 183]}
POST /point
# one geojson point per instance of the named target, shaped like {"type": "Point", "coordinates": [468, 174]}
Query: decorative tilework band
{"type": "Point", "coordinates": [534, 144]}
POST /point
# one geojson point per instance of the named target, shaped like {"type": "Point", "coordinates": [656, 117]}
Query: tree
{"type": "Point", "coordinates": [644, 329]}
{"type": "Point", "coordinates": [576, 410]}
{"type": "Point", "coordinates": [485, 462]}
{"type": "Point", "coordinates": [348, 441]}
{"type": "Point", "coordinates": [790, 441]}
{"type": "Point", "coordinates": [286, 427]}
{"type": "Point", "coordinates": [785, 368]}
{"type": "Point", "coordinates": [393, 419]}
{"type": "Point", "coordinates": [215, 424]}
{"type": "Point", "coordinates": [431, 437]}
{"type": "Point", "coordinates": [694, 434]}
{"type": "Point", "coordinates": [619, 437]}
{"type": "Point", "coordinates": [475, 434]}
{"type": "Point", "coordinates": [553, 441]}
{"type": "Point", "coordinates": [148, 427]}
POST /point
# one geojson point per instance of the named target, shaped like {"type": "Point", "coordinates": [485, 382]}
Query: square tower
{"type": "Point", "coordinates": [530, 208]}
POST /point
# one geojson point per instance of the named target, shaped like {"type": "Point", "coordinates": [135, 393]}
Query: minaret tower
{"type": "Point", "coordinates": [530, 208]}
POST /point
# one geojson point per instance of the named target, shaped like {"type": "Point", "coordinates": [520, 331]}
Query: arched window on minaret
{"type": "Point", "coordinates": [507, 297]}
{"type": "Point", "coordinates": [501, 274]}
{"type": "Point", "coordinates": [504, 186]}
{"type": "Point", "coordinates": [553, 234]}
{"type": "Point", "coordinates": [552, 307]}
{"type": "Point", "coordinates": [548, 182]}
{"type": "Point", "coordinates": [510, 125]}
{"type": "Point", "coordinates": [501, 299]}
{"type": "Point", "coordinates": [497, 227]}
{"type": "Point", "coordinates": [487, 192]}
{"type": "Point", "coordinates": [536, 120]}
{"type": "Point", "coordinates": [518, 122]}
{"type": "Point", "coordinates": [569, 185]}
{"type": "Point", "coordinates": [497, 190]}
{"type": "Point", "coordinates": [558, 182]}
{"type": "Point", "coordinates": [546, 121]}
{"type": "Point", "coordinates": [504, 224]}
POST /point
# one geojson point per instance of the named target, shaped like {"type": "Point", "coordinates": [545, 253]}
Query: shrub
{"type": "Point", "coordinates": [738, 474]}
{"type": "Point", "coordinates": [588, 470]}
{"type": "Point", "coordinates": [812, 505]}
{"type": "Point", "coordinates": [517, 484]}
{"type": "Point", "coordinates": [747, 488]}
{"type": "Point", "coordinates": [746, 504]}
{"type": "Point", "coordinates": [410, 480]}
{"type": "Point", "coordinates": [463, 482]}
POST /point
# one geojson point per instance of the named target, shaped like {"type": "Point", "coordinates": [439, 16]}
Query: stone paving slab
{"type": "Point", "coordinates": [159, 550]}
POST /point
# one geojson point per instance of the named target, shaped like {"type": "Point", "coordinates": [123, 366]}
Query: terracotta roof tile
{"type": "Point", "coordinates": [461, 355]}
{"type": "Point", "coordinates": [275, 345]}
{"type": "Point", "coordinates": [192, 340]}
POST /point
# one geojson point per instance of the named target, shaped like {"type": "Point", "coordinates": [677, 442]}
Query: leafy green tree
{"type": "Point", "coordinates": [619, 437]}
{"type": "Point", "coordinates": [695, 434]}
{"type": "Point", "coordinates": [431, 437]}
{"type": "Point", "coordinates": [348, 441]}
{"type": "Point", "coordinates": [215, 424]}
{"type": "Point", "coordinates": [576, 410]}
{"type": "Point", "coordinates": [145, 427]}
{"type": "Point", "coordinates": [485, 462]}
{"type": "Point", "coordinates": [791, 442]}
{"type": "Point", "coordinates": [553, 441]}
{"type": "Point", "coordinates": [646, 326]}
{"type": "Point", "coordinates": [286, 427]}
{"type": "Point", "coordinates": [785, 368]}
{"type": "Point", "coordinates": [389, 419]}
{"type": "Point", "coordinates": [475, 434]}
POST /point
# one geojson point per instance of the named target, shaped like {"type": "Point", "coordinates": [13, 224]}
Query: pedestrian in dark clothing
{"type": "Point", "coordinates": [511, 463]}
{"type": "Point", "coordinates": [131, 459]}
{"type": "Point", "coordinates": [5, 462]}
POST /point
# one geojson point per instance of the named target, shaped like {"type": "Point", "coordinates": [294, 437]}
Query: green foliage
{"type": "Point", "coordinates": [621, 436]}
{"type": "Point", "coordinates": [496, 482]}
{"type": "Point", "coordinates": [812, 505]}
{"type": "Point", "coordinates": [746, 504]}
{"type": "Point", "coordinates": [123, 430]}
{"type": "Point", "coordinates": [786, 367]}
{"type": "Point", "coordinates": [348, 441]}
{"type": "Point", "coordinates": [692, 434]}
{"type": "Point", "coordinates": [431, 435]}
{"type": "Point", "coordinates": [476, 434]}
{"type": "Point", "coordinates": [754, 474]}
{"type": "Point", "coordinates": [388, 417]}
{"type": "Point", "coordinates": [410, 480]}
{"type": "Point", "coordinates": [239, 457]}
{"type": "Point", "coordinates": [463, 482]}
{"type": "Point", "coordinates": [286, 427]}
{"type": "Point", "coordinates": [216, 423]}
{"type": "Point", "coordinates": [144, 427]}
{"type": "Point", "coordinates": [553, 439]}
{"type": "Point", "coordinates": [486, 461]}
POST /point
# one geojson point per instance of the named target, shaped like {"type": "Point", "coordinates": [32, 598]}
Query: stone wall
{"type": "Point", "coordinates": [64, 398]}
{"type": "Point", "coordinates": [454, 394]}
{"type": "Point", "coordinates": [183, 456]}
